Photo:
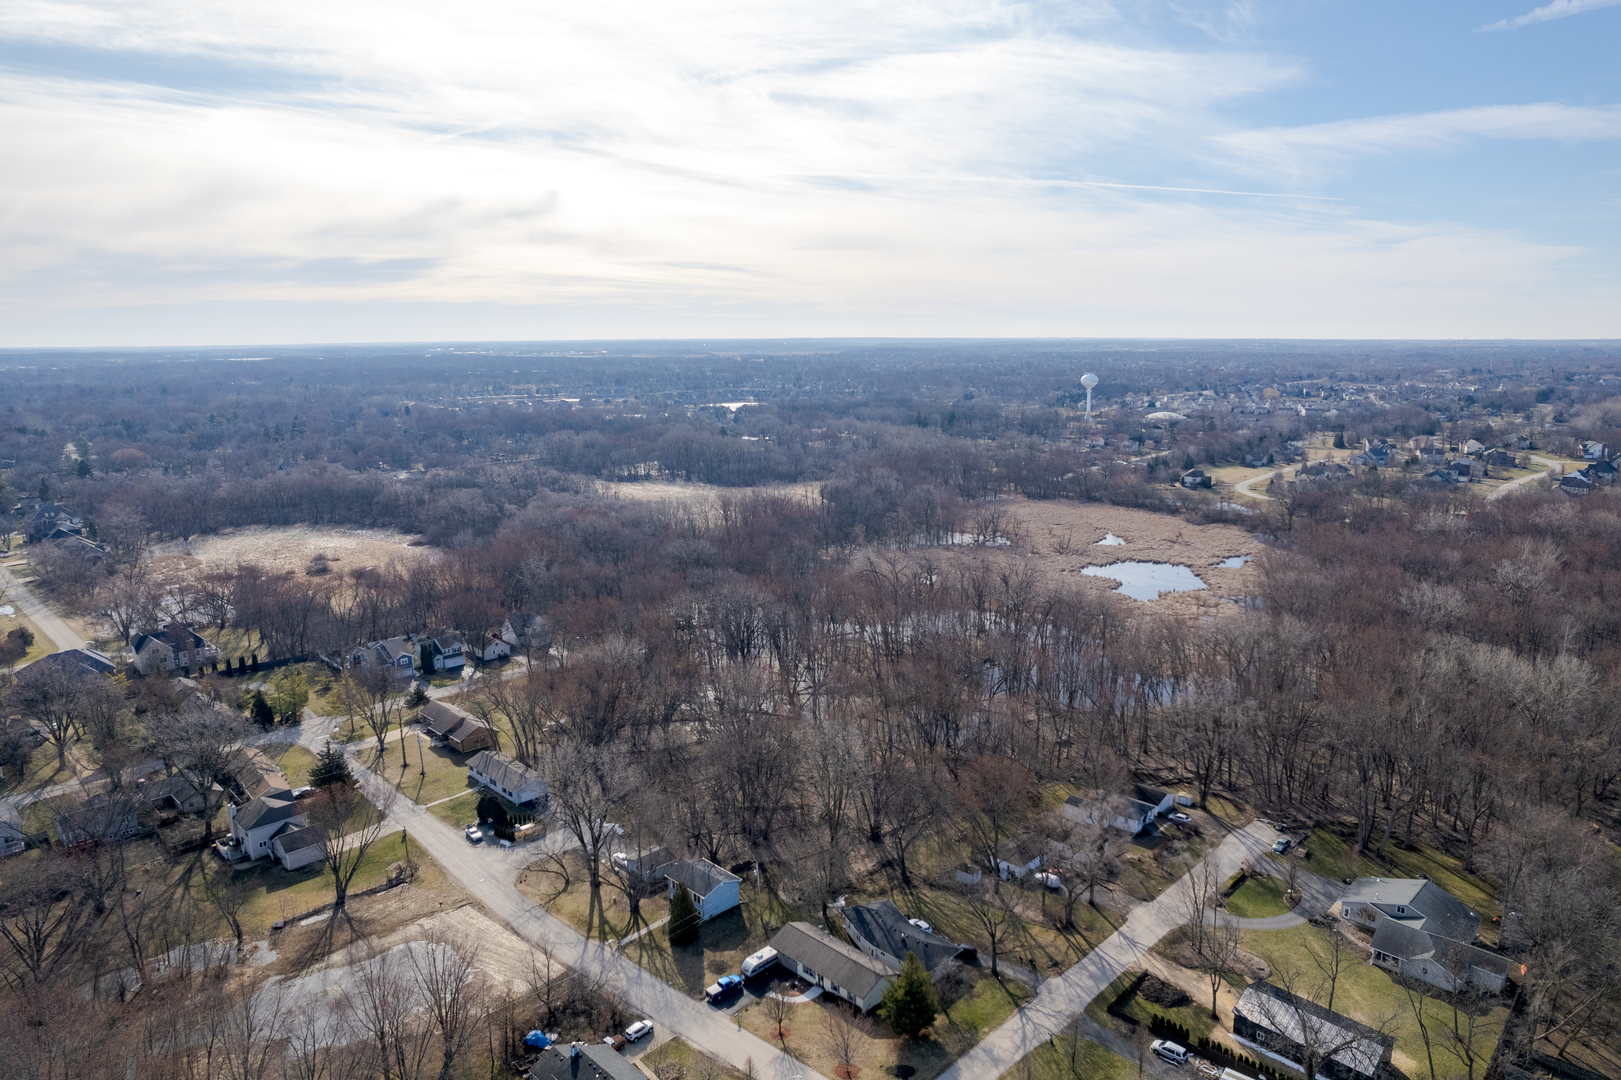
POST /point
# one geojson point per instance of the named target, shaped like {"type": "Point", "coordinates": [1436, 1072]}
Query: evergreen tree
{"type": "Point", "coordinates": [82, 469]}
{"type": "Point", "coordinates": [491, 810]}
{"type": "Point", "coordinates": [910, 1003]}
{"type": "Point", "coordinates": [683, 917]}
{"type": "Point", "coordinates": [331, 768]}
{"type": "Point", "coordinates": [419, 696]}
{"type": "Point", "coordinates": [259, 709]}
{"type": "Point", "coordinates": [1339, 440]}
{"type": "Point", "coordinates": [425, 659]}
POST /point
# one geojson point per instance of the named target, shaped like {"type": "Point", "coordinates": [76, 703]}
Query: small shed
{"type": "Point", "coordinates": [298, 848]}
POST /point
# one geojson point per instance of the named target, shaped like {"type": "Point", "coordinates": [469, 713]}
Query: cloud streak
{"type": "Point", "coordinates": [1559, 9]}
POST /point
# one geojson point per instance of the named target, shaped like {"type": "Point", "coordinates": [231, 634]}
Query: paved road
{"type": "Point", "coordinates": [1060, 1000]}
{"type": "Point", "coordinates": [489, 873]}
{"type": "Point", "coordinates": [43, 617]}
{"type": "Point", "coordinates": [1512, 485]}
{"type": "Point", "coordinates": [1244, 487]}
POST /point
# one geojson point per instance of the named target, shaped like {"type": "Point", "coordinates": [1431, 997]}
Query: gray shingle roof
{"type": "Point", "coordinates": [700, 876]}
{"type": "Point", "coordinates": [595, 1061]}
{"type": "Point", "coordinates": [1279, 1011]}
{"type": "Point", "coordinates": [1429, 907]}
{"type": "Point", "coordinates": [845, 965]}
{"type": "Point", "coordinates": [267, 809]}
{"type": "Point", "coordinates": [299, 839]}
{"type": "Point", "coordinates": [1398, 938]}
{"type": "Point", "coordinates": [510, 774]}
{"type": "Point", "coordinates": [884, 927]}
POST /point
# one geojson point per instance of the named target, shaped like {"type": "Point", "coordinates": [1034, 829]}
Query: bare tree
{"type": "Point", "coordinates": [993, 911]}
{"type": "Point", "coordinates": [1217, 953]}
{"type": "Point", "coordinates": [452, 992]}
{"type": "Point", "coordinates": [1312, 1039]}
{"type": "Point", "coordinates": [228, 896]}
{"type": "Point", "coordinates": [1332, 957]}
{"type": "Point", "coordinates": [350, 824]}
{"type": "Point", "coordinates": [847, 1032]}
{"type": "Point", "coordinates": [50, 696]}
{"type": "Point", "coordinates": [43, 918]}
{"type": "Point", "coordinates": [587, 783]}
{"type": "Point", "coordinates": [776, 1010]}
{"type": "Point", "coordinates": [201, 741]}
{"type": "Point", "coordinates": [995, 796]}
{"type": "Point", "coordinates": [380, 1003]}
{"type": "Point", "coordinates": [254, 1028]}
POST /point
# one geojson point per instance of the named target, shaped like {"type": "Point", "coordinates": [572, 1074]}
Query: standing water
{"type": "Point", "coordinates": [1147, 580]}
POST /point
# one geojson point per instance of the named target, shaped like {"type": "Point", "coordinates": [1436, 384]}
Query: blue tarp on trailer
{"type": "Point", "coordinates": [537, 1039]}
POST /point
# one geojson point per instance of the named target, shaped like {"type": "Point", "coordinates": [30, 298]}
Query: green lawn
{"type": "Point", "coordinates": [1193, 1016]}
{"type": "Point", "coordinates": [1066, 1058]}
{"type": "Point", "coordinates": [40, 816]}
{"type": "Point", "coordinates": [1258, 898]}
{"type": "Point", "coordinates": [42, 644]}
{"type": "Point", "coordinates": [573, 904]}
{"type": "Point", "coordinates": [1369, 994]}
{"type": "Point", "coordinates": [294, 761]}
{"type": "Point", "coordinates": [434, 773]}
{"type": "Point", "coordinates": [463, 810]}
{"type": "Point", "coordinates": [42, 771]}
{"type": "Point", "coordinates": [1332, 857]}
{"type": "Point", "coordinates": [281, 894]}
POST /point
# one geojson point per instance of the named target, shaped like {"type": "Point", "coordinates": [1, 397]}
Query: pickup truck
{"type": "Point", "coordinates": [723, 986]}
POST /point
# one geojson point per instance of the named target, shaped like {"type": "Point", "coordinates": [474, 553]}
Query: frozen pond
{"type": "Point", "coordinates": [1111, 540]}
{"type": "Point", "coordinates": [1147, 580]}
{"type": "Point", "coordinates": [1234, 562]}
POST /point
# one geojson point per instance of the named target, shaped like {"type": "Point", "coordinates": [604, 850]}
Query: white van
{"type": "Point", "coordinates": [1175, 1053]}
{"type": "Point", "coordinates": [759, 962]}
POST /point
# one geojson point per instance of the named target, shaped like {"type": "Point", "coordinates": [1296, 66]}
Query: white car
{"type": "Point", "coordinates": [474, 834]}
{"type": "Point", "coordinates": [921, 925]}
{"type": "Point", "coordinates": [638, 1029]}
{"type": "Point", "coordinates": [1175, 1053]}
{"type": "Point", "coordinates": [1180, 816]}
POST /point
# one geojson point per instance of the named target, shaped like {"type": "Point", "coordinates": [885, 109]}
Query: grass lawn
{"type": "Point", "coordinates": [463, 810]}
{"type": "Point", "coordinates": [881, 1053]}
{"type": "Point", "coordinates": [574, 903]}
{"type": "Point", "coordinates": [42, 771]}
{"type": "Point", "coordinates": [1368, 994]}
{"type": "Point", "coordinates": [281, 894]}
{"type": "Point", "coordinates": [1332, 857]}
{"type": "Point", "coordinates": [293, 760]}
{"type": "Point", "coordinates": [434, 772]}
{"type": "Point", "coordinates": [1050, 949]}
{"type": "Point", "coordinates": [1258, 898]}
{"type": "Point", "coordinates": [722, 942]}
{"type": "Point", "coordinates": [42, 644]}
{"type": "Point", "coordinates": [1194, 1016]}
{"type": "Point", "coordinates": [40, 816]}
{"type": "Point", "coordinates": [1066, 1058]}
{"type": "Point", "coordinates": [692, 1062]}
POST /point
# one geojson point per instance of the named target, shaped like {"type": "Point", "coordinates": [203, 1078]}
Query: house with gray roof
{"type": "Point", "coordinates": [102, 818]}
{"type": "Point", "coordinates": [1423, 932]}
{"type": "Point", "coordinates": [1271, 1019]}
{"type": "Point", "coordinates": [823, 960]}
{"type": "Point", "coordinates": [513, 780]}
{"type": "Point", "coordinates": [256, 823]}
{"type": "Point", "coordinates": [459, 729]}
{"type": "Point", "coordinates": [1130, 811]}
{"type": "Point", "coordinates": [296, 848]}
{"type": "Point", "coordinates": [583, 1061]}
{"type": "Point", "coordinates": [882, 932]}
{"type": "Point", "coordinates": [715, 890]}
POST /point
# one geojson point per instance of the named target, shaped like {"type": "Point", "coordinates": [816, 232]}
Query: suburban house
{"type": "Point", "coordinates": [457, 728]}
{"type": "Point", "coordinates": [1275, 1021]}
{"type": "Point", "coordinates": [646, 862]}
{"type": "Point", "coordinates": [85, 548]}
{"type": "Point", "coordinates": [254, 774]}
{"type": "Point", "coordinates": [823, 960]}
{"type": "Point", "coordinates": [1423, 932]}
{"type": "Point", "coordinates": [1575, 485]}
{"type": "Point", "coordinates": [174, 648]}
{"type": "Point", "coordinates": [298, 848]}
{"type": "Point", "coordinates": [176, 794]}
{"type": "Point", "coordinates": [583, 1061]}
{"type": "Point", "coordinates": [525, 630]}
{"type": "Point", "coordinates": [1498, 458]}
{"type": "Point", "coordinates": [1474, 446]}
{"type": "Point", "coordinates": [1131, 811]}
{"type": "Point", "coordinates": [1602, 472]}
{"type": "Point", "coordinates": [883, 933]}
{"type": "Point", "coordinates": [514, 781]}
{"type": "Point", "coordinates": [81, 660]}
{"type": "Point", "coordinates": [1594, 451]}
{"type": "Point", "coordinates": [714, 890]}
{"type": "Point", "coordinates": [397, 654]}
{"type": "Point", "coordinates": [489, 646]}
{"type": "Point", "coordinates": [107, 818]}
{"type": "Point", "coordinates": [1195, 478]}
{"type": "Point", "coordinates": [12, 838]}
{"type": "Point", "coordinates": [1022, 857]}
{"type": "Point", "coordinates": [49, 520]}
{"type": "Point", "coordinates": [256, 823]}
{"type": "Point", "coordinates": [444, 651]}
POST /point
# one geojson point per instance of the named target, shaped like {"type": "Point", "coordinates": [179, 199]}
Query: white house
{"type": "Point", "coordinates": [296, 848]}
{"type": "Point", "coordinates": [397, 654]}
{"type": "Point", "coordinates": [174, 648]}
{"type": "Point", "coordinates": [257, 822]}
{"type": "Point", "coordinates": [1422, 931]}
{"type": "Point", "coordinates": [823, 960]}
{"type": "Point", "coordinates": [1131, 812]}
{"type": "Point", "coordinates": [715, 891]}
{"type": "Point", "coordinates": [444, 651]}
{"type": "Point", "coordinates": [513, 780]}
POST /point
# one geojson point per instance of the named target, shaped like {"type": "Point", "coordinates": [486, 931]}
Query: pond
{"type": "Point", "coordinates": [1147, 580]}
{"type": "Point", "coordinates": [1111, 540]}
{"type": "Point", "coordinates": [1235, 561]}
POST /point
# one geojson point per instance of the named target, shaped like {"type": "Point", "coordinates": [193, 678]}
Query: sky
{"type": "Point", "coordinates": [214, 172]}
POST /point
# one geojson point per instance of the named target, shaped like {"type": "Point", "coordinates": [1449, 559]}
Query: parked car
{"type": "Point", "coordinates": [474, 834]}
{"type": "Point", "coordinates": [1166, 1050]}
{"type": "Point", "coordinates": [299, 793]}
{"type": "Point", "coordinates": [1282, 845]}
{"type": "Point", "coordinates": [617, 1042]}
{"type": "Point", "coordinates": [921, 925]}
{"type": "Point", "coordinates": [1177, 815]}
{"type": "Point", "coordinates": [723, 986]}
{"type": "Point", "coordinates": [1049, 879]}
{"type": "Point", "coordinates": [639, 1029]}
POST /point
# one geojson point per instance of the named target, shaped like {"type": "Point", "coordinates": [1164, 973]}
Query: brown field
{"type": "Point", "coordinates": [1059, 538]}
{"type": "Point", "coordinates": [704, 496]}
{"type": "Point", "coordinates": [289, 548]}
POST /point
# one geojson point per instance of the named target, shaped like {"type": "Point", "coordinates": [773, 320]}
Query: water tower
{"type": "Point", "coordinates": [1089, 380]}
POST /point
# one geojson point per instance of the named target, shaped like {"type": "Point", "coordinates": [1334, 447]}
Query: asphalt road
{"type": "Point", "coordinates": [489, 872]}
{"type": "Point", "coordinates": [1498, 493]}
{"type": "Point", "coordinates": [43, 617]}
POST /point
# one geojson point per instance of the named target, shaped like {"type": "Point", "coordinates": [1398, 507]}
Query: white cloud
{"type": "Point", "coordinates": [1308, 151]}
{"type": "Point", "coordinates": [1559, 9]}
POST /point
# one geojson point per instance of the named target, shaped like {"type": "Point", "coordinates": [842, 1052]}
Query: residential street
{"type": "Point", "coordinates": [1062, 999]}
{"type": "Point", "coordinates": [43, 617]}
{"type": "Point", "coordinates": [488, 872]}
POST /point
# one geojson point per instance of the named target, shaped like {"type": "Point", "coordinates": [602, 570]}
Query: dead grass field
{"type": "Point", "coordinates": [288, 548]}
{"type": "Point", "coordinates": [1058, 538]}
{"type": "Point", "coordinates": [705, 497]}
